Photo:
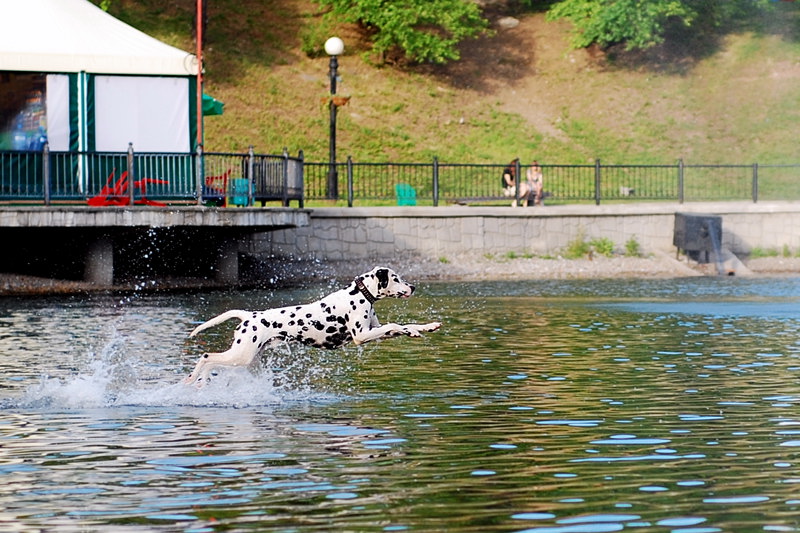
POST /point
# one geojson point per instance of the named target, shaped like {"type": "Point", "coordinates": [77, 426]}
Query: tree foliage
{"type": "Point", "coordinates": [424, 30]}
{"type": "Point", "coordinates": [642, 23]}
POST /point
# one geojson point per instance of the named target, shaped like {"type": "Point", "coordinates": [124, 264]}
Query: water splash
{"type": "Point", "coordinates": [116, 376]}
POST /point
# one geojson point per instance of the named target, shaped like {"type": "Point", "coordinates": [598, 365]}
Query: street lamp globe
{"type": "Point", "coordinates": [334, 46]}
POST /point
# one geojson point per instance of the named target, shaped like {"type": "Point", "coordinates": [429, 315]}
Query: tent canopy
{"type": "Point", "coordinates": [77, 36]}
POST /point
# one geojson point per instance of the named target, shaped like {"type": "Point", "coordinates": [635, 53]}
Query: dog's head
{"type": "Point", "coordinates": [383, 282]}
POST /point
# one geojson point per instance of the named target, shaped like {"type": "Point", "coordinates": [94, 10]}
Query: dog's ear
{"type": "Point", "coordinates": [383, 277]}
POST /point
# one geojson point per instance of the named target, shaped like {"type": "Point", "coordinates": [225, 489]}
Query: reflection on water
{"type": "Point", "coordinates": [667, 405]}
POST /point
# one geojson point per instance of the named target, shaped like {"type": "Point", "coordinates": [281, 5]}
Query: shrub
{"type": "Point", "coordinates": [603, 246]}
{"type": "Point", "coordinates": [632, 248]}
{"type": "Point", "coordinates": [577, 248]}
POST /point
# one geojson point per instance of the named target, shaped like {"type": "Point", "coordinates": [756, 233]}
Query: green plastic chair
{"type": "Point", "coordinates": [239, 190]}
{"type": "Point", "coordinates": [406, 194]}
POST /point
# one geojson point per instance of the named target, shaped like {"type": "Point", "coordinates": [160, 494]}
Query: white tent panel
{"type": "Point", "coordinates": [57, 105]}
{"type": "Point", "coordinates": [151, 113]}
{"type": "Point", "coordinates": [77, 36]}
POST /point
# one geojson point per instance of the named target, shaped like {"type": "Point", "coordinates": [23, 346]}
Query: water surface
{"type": "Point", "coordinates": [563, 406]}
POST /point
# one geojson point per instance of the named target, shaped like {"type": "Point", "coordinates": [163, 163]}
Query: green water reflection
{"type": "Point", "coordinates": [556, 406]}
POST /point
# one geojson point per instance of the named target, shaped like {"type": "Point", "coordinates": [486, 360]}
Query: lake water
{"type": "Point", "coordinates": [546, 406]}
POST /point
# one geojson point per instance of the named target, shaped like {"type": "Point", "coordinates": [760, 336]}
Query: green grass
{"type": "Point", "coordinates": [735, 103]}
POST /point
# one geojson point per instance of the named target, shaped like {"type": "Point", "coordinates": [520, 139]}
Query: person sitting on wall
{"type": "Point", "coordinates": [535, 183]}
{"type": "Point", "coordinates": [509, 176]}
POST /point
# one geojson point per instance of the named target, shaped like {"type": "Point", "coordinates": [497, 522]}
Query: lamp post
{"type": "Point", "coordinates": [333, 47]}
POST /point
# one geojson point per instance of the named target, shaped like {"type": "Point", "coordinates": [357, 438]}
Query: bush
{"type": "Point", "coordinates": [578, 248]}
{"type": "Point", "coordinates": [603, 246]}
{"type": "Point", "coordinates": [632, 248]}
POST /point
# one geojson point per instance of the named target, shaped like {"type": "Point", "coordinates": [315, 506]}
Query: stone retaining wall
{"type": "Point", "coordinates": [447, 232]}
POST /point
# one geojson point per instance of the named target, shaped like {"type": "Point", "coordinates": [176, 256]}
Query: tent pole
{"type": "Point", "coordinates": [199, 34]}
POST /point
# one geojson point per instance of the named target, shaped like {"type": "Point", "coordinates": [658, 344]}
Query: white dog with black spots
{"type": "Point", "coordinates": [342, 317]}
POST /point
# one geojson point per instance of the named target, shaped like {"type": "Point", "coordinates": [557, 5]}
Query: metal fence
{"type": "Point", "coordinates": [129, 178]}
{"type": "Point", "coordinates": [439, 183]}
{"type": "Point", "coordinates": [230, 179]}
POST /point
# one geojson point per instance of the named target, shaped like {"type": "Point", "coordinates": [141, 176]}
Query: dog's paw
{"type": "Point", "coordinates": [416, 330]}
{"type": "Point", "coordinates": [411, 331]}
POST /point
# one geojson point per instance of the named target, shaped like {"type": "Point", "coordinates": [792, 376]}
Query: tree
{"type": "Point", "coordinates": [424, 30]}
{"type": "Point", "coordinates": [643, 23]}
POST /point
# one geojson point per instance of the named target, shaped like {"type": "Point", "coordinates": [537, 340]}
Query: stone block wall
{"type": "Point", "coordinates": [447, 232]}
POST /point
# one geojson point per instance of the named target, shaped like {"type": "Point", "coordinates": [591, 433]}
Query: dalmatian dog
{"type": "Point", "coordinates": [342, 317]}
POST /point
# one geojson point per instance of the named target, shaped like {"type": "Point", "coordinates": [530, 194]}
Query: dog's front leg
{"type": "Point", "coordinates": [394, 330]}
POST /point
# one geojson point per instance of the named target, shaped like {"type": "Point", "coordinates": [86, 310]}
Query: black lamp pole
{"type": "Point", "coordinates": [333, 176]}
{"type": "Point", "coordinates": [334, 48]}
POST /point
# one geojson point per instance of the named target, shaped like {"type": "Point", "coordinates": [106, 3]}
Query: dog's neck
{"type": "Point", "coordinates": [364, 290]}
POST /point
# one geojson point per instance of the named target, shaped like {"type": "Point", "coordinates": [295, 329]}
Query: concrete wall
{"type": "Point", "coordinates": [436, 232]}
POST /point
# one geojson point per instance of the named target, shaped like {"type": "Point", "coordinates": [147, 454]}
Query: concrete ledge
{"type": "Point", "coordinates": [156, 217]}
{"type": "Point", "coordinates": [620, 209]}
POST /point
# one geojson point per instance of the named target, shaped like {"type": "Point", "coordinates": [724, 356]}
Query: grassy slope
{"type": "Point", "coordinates": [520, 93]}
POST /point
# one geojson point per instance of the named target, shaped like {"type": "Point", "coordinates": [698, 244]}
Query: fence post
{"type": "Point", "coordinates": [597, 182]}
{"type": "Point", "coordinates": [198, 170]}
{"type": "Point", "coordinates": [251, 158]}
{"type": "Point", "coordinates": [131, 177]}
{"type": "Point", "coordinates": [301, 169]}
{"type": "Point", "coordinates": [517, 179]}
{"type": "Point", "coordinates": [349, 181]}
{"type": "Point", "coordinates": [435, 181]}
{"type": "Point", "coordinates": [755, 183]}
{"type": "Point", "coordinates": [46, 172]}
{"type": "Point", "coordinates": [680, 181]}
{"type": "Point", "coordinates": [285, 168]}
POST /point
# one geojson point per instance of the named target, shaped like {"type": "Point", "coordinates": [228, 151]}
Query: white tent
{"type": "Point", "coordinates": [75, 75]}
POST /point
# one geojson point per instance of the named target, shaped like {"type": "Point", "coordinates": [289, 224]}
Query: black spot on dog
{"type": "Point", "coordinates": [383, 278]}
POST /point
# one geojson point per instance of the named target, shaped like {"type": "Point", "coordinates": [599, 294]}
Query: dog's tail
{"type": "Point", "coordinates": [235, 313]}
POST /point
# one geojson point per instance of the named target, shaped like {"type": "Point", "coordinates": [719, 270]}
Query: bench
{"type": "Point", "coordinates": [500, 199]}
{"type": "Point", "coordinates": [479, 200]}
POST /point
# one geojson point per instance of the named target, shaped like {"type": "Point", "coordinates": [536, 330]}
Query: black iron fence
{"type": "Point", "coordinates": [439, 183]}
{"type": "Point", "coordinates": [225, 179]}
{"type": "Point", "coordinates": [130, 178]}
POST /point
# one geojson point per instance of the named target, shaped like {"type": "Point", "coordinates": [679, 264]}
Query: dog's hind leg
{"type": "Point", "coordinates": [235, 356]}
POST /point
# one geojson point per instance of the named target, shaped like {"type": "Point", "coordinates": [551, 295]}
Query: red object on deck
{"type": "Point", "coordinates": [117, 194]}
